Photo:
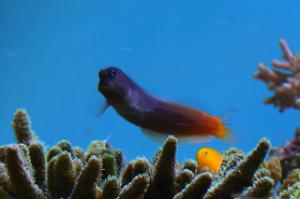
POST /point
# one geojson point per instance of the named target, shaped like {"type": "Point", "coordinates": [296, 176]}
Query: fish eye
{"type": "Point", "coordinates": [206, 153]}
{"type": "Point", "coordinates": [112, 73]}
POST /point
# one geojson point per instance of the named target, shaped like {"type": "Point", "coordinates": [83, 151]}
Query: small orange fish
{"type": "Point", "coordinates": [209, 159]}
{"type": "Point", "coordinates": [157, 118]}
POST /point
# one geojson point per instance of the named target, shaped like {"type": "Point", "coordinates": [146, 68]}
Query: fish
{"type": "Point", "coordinates": [157, 118]}
{"type": "Point", "coordinates": [209, 159]}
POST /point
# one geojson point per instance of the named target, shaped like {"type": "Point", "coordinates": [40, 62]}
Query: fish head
{"type": "Point", "coordinates": [113, 84]}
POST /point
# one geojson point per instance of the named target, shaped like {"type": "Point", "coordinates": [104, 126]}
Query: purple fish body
{"type": "Point", "coordinates": [152, 114]}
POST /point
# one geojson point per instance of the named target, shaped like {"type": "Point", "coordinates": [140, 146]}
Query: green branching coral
{"type": "Point", "coordinates": [109, 165]}
{"type": "Point", "coordinates": [37, 159]}
{"type": "Point", "coordinates": [163, 180]}
{"type": "Point", "coordinates": [111, 188]}
{"type": "Point", "coordinates": [5, 183]}
{"type": "Point", "coordinates": [112, 159]}
{"type": "Point", "coordinates": [53, 152]}
{"type": "Point", "coordinates": [197, 188]}
{"type": "Point", "coordinates": [65, 171]}
{"type": "Point", "coordinates": [183, 178]}
{"type": "Point", "coordinates": [66, 146]}
{"type": "Point", "coordinates": [261, 188]}
{"type": "Point", "coordinates": [262, 185]}
{"type": "Point", "coordinates": [20, 178]}
{"type": "Point", "coordinates": [21, 125]}
{"type": "Point", "coordinates": [85, 186]}
{"type": "Point", "coordinates": [230, 160]}
{"type": "Point", "coordinates": [134, 168]}
{"type": "Point", "coordinates": [62, 177]}
{"type": "Point", "coordinates": [190, 165]}
{"type": "Point", "coordinates": [240, 176]}
{"type": "Point", "coordinates": [136, 188]}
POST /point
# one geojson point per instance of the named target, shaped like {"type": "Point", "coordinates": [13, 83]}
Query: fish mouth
{"type": "Point", "coordinates": [102, 88]}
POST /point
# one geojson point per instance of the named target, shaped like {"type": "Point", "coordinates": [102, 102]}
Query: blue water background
{"type": "Point", "coordinates": [202, 52]}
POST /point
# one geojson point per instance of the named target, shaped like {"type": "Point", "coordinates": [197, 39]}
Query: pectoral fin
{"type": "Point", "coordinates": [103, 108]}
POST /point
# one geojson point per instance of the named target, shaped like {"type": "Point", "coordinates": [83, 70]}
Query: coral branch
{"type": "Point", "coordinates": [66, 146]}
{"type": "Point", "coordinates": [53, 152]}
{"type": "Point", "coordinates": [230, 160]}
{"type": "Point", "coordinates": [134, 168]}
{"type": "Point", "coordinates": [21, 125]}
{"type": "Point", "coordinates": [21, 180]}
{"type": "Point", "coordinates": [283, 79]}
{"type": "Point", "coordinates": [262, 188]}
{"type": "Point", "coordinates": [5, 183]}
{"type": "Point", "coordinates": [111, 188]}
{"type": "Point", "coordinates": [37, 158]}
{"type": "Point", "coordinates": [4, 194]}
{"type": "Point", "coordinates": [182, 179]}
{"type": "Point", "coordinates": [197, 188]}
{"type": "Point", "coordinates": [190, 165]}
{"type": "Point", "coordinates": [163, 181]}
{"type": "Point", "coordinates": [241, 175]}
{"type": "Point", "coordinates": [127, 175]}
{"type": "Point", "coordinates": [62, 176]}
{"type": "Point", "coordinates": [110, 167]}
{"type": "Point", "coordinates": [86, 183]}
{"type": "Point", "coordinates": [136, 188]}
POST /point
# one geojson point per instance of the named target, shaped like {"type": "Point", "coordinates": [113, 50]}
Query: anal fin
{"type": "Point", "coordinates": [161, 137]}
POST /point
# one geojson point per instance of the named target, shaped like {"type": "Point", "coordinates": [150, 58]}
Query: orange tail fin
{"type": "Point", "coordinates": [224, 133]}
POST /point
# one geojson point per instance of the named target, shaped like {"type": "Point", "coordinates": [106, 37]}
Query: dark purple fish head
{"type": "Point", "coordinates": [114, 84]}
